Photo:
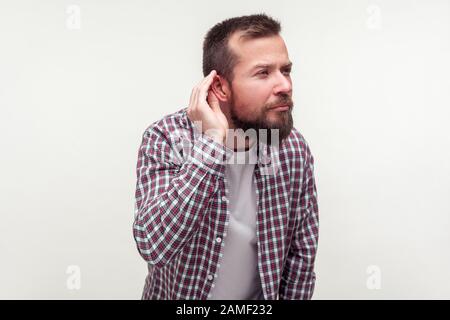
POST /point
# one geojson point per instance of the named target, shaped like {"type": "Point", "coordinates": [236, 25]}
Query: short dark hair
{"type": "Point", "coordinates": [216, 53]}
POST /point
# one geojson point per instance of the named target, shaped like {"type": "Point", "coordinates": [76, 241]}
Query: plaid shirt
{"type": "Point", "coordinates": [181, 212]}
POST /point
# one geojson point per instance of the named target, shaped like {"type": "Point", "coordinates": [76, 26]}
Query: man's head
{"type": "Point", "coordinates": [253, 68]}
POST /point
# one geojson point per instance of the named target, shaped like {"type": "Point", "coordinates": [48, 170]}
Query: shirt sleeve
{"type": "Point", "coordinates": [171, 195]}
{"type": "Point", "coordinates": [298, 278]}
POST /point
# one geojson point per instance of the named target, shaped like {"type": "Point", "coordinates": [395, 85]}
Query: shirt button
{"type": "Point", "coordinates": [210, 277]}
{"type": "Point", "coordinates": [224, 198]}
{"type": "Point", "coordinates": [218, 239]}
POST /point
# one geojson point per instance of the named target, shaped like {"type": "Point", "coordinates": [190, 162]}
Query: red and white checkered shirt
{"type": "Point", "coordinates": [181, 209]}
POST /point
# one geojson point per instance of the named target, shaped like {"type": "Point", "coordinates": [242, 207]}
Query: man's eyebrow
{"type": "Point", "coordinates": [268, 65]}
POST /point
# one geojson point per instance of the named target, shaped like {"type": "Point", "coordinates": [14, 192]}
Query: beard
{"type": "Point", "coordinates": [282, 124]}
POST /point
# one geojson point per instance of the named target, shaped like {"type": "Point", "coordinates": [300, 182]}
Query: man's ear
{"type": "Point", "coordinates": [221, 88]}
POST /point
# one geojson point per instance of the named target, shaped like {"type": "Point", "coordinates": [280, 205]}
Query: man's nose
{"type": "Point", "coordinates": [283, 85]}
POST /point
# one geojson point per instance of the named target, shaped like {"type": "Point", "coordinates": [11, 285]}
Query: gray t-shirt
{"type": "Point", "coordinates": [237, 275]}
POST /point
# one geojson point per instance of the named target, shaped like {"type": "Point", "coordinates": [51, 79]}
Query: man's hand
{"type": "Point", "coordinates": [204, 107]}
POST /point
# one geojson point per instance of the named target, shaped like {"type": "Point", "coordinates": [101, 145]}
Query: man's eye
{"type": "Point", "coordinates": [287, 71]}
{"type": "Point", "coordinates": [264, 72]}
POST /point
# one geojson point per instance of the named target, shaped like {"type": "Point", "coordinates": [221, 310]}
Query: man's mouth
{"type": "Point", "coordinates": [281, 107]}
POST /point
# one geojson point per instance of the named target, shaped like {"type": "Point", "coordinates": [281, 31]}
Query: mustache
{"type": "Point", "coordinates": [284, 101]}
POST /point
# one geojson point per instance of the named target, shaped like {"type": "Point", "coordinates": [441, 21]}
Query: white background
{"type": "Point", "coordinates": [371, 91]}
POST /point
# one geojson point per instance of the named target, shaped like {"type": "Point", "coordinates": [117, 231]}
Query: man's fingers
{"type": "Point", "coordinates": [196, 89]}
{"type": "Point", "coordinates": [208, 78]}
{"type": "Point", "coordinates": [193, 99]}
{"type": "Point", "coordinates": [203, 90]}
{"type": "Point", "coordinates": [199, 92]}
